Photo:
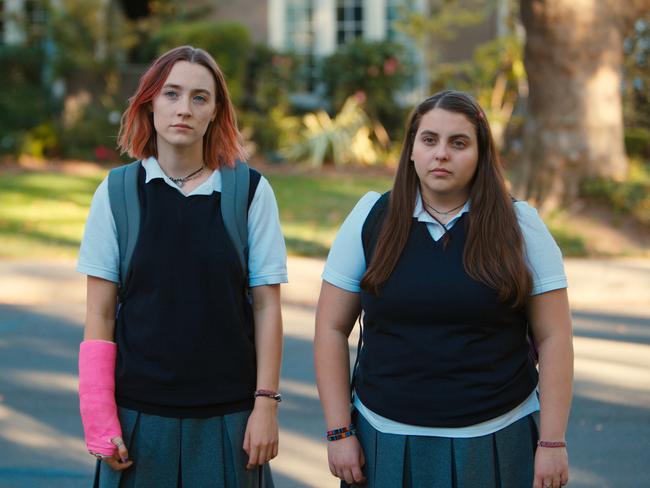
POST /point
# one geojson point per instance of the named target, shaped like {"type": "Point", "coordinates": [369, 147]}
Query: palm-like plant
{"type": "Point", "coordinates": [346, 137]}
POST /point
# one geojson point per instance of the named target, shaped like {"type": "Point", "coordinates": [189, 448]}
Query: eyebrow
{"type": "Point", "coordinates": [453, 136]}
{"type": "Point", "coordinates": [179, 87]}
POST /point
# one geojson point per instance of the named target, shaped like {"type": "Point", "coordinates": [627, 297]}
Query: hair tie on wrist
{"type": "Point", "coordinates": [551, 443]}
{"type": "Point", "coordinates": [268, 394]}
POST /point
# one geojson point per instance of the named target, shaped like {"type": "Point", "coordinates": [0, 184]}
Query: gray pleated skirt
{"type": "Point", "coordinates": [504, 459]}
{"type": "Point", "coordinates": [176, 453]}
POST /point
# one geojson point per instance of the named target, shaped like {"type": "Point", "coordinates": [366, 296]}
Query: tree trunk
{"type": "Point", "coordinates": [574, 126]}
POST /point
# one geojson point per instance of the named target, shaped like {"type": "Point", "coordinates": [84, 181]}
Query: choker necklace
{"type": "Point", "coordinates": [443, 213]}
{"type": "Point", "coordinates": [181, 181]}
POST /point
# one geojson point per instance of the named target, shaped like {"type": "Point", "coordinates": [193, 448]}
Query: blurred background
{"type": "Point", "coordinates": [322, 89]}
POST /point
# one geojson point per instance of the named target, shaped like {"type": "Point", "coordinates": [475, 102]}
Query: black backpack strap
{"type": "Point", "coordinates": [125, 206]}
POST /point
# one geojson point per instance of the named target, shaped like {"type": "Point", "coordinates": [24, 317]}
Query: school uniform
{"type": "Point", "coordinates": [445, 393]}
{"type": "Point", "coordinates": [186, 362]}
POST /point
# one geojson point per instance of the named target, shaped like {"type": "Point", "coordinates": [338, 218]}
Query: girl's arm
{"type": "Point", "coordinates": [550, 318]}
{"type": "Point", "coordinates": [261, 438]}
{"type": "Point", "coordinates": [98, 409]}
{"type": "Point", "coordinates": [335, 317]}
{"type": "Point", "coordinates": [101, 298]}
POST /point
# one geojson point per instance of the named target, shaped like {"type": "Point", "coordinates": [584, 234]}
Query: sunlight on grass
{"type": "Point", "coordinates": [42, 215]}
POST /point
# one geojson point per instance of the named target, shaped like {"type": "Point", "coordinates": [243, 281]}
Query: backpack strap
{"type": "Point", "coordinates": [235, 184]}
{"type": "Point", "coordinates": [125, 206]}
{"type": "Point", "coordinates": [238, 187]}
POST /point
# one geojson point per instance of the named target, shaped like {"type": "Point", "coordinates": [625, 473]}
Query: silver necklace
{"type": "Point", "coordinates": [182, 180]}
{"type": "Point", "coordinates": [443, 213]}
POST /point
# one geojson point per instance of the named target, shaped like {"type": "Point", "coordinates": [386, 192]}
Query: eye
{"type": "Point", "coordinates": [459, 144]}
{"type": "Point", "coordinates": [200, 99]}
{"type": "Point", "coordinates": [429, 140]}
{"type": "Point", "coordinates": [170, 94]}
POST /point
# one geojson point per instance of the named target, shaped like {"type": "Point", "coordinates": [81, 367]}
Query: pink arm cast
{"type": "Point", "coordinates": [97, 395]}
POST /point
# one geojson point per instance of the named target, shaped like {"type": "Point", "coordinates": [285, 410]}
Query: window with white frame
{"type": "Point", "coordinates": [394, 12]}
{"type": "Point", "coordinates": [35, 17]}
{"type": "Point", "coordinates": [299, 38]}
{"type": "Point", "coordinates": [349, 20]}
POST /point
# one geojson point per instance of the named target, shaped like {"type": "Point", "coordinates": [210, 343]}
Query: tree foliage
{"type": "Point", "coordinates": [374, 70]}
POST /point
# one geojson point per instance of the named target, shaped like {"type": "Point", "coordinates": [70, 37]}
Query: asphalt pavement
{"type": "Point", "coordinates": [41, 323]}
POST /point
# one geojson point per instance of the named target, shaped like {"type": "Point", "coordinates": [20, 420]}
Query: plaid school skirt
{"type": "Point", "coordinates": [504, 459]}
{"type": "Point", "coordinates": [176, 453]}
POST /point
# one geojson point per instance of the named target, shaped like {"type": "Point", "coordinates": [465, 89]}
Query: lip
{"type": "Point", "coordinates": [440, 172]}
{"type": "Point", "coordinates": [181, 126]}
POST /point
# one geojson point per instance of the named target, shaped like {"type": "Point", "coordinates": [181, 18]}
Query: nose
{"type": "Point", "coordinates": [183, 107]}
{"type": "Point", "coordinates": [441, 153]}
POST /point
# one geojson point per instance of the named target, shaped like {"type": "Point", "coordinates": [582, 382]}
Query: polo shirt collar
{"type": "Point", "coordinates": [153, 170]}
{"type": "Point", "coordinates": [422, 215]}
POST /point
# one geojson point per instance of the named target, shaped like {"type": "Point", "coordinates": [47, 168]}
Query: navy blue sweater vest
{"type": "Point", "coordinates": [439, 349]}
{"type": "Point", "coordinates": [185, 330]}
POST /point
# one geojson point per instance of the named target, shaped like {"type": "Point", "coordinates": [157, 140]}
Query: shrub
{"type": "Point", "coordinates": [375, 70]}
{"type": "Point", "coordinates": [350, 137]}
{"type": "Point", "coordinates": [271, 76]}
{"type": "Point", "coordinates": [626, 197]}
{"type": "Point", "coordinates": [228, 42]}
{"type": "Point", "coordinates": [24, 100]}
{"type": "Point", "coordinates": [93, 136]}
{"type": "Point", "coordinates": [637, 141]}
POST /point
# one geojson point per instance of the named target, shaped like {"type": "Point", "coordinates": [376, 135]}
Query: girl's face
{"type": "Point", "coordinates": [184, 107]}
{"type": "Point", "coordinates": [445, 155]}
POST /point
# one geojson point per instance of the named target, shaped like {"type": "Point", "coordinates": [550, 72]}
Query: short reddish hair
{"type": "Point", "coordinates": [222, 142]}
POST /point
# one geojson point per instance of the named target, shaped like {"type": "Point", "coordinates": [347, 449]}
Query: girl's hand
{"type": "Point", "coordinates": [120, 460]}
{"type": "Point", "coordinates": [551, 467]}
{"type": "Point", "coordinates": [261, 437]}
{"type": "Point", "coordinates": [346, 460]}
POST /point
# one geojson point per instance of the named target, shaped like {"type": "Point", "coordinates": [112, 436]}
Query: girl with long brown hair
{"type": "Point", "coordinates": [449, 274]}
{"type": "Point", "coordinates": [180, 388]}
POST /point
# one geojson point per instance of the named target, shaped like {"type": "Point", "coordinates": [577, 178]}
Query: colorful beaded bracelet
{"type": "Point", "coordinates": [551, 443]}
{"type": "Point", "coordinates": [342, 435]}
{"type": "Point", "coordinates": [340, 430]}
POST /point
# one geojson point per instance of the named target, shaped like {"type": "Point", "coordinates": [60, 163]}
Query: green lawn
{"type": "Point", "coordinates": [42, 214]}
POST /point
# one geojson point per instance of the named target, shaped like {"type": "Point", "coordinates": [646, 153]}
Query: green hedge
{"type": "Point", "coordinates": [637, 141]}
{"type": "Point", "coordinates": [229, 43]}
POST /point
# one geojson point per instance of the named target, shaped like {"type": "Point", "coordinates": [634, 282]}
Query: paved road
{"type": "Point", "coordinates": [41, 313]}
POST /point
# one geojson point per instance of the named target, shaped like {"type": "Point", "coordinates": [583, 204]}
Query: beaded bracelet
{"type": "Point", "coordinates": [341, 433]}
{"type": "Point", "coordinates": [551, 443]}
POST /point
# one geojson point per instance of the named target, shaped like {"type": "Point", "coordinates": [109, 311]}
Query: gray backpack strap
{"type": "Point", "coordinates": [125, 206]}
{"type": "Point", "coordinates": [234, 208]}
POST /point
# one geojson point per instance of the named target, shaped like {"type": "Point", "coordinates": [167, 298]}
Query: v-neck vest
{"type": "Point", "coordinates": [439, 348]}
{"type": "Point", "coordinates": [185, 329]}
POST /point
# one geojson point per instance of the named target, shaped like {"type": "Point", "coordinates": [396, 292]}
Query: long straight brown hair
{"type": "Point", "coordinates": [494, 248]}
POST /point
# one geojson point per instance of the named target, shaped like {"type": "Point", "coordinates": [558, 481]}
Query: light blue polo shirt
{"type": "Point", "coordinates": [267, 260]}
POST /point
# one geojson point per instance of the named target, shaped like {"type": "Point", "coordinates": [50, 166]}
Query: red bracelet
{"type": "Point", "coordinates": [268, 394]}
{"type": "Point", "coordinates": [551, 443]}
